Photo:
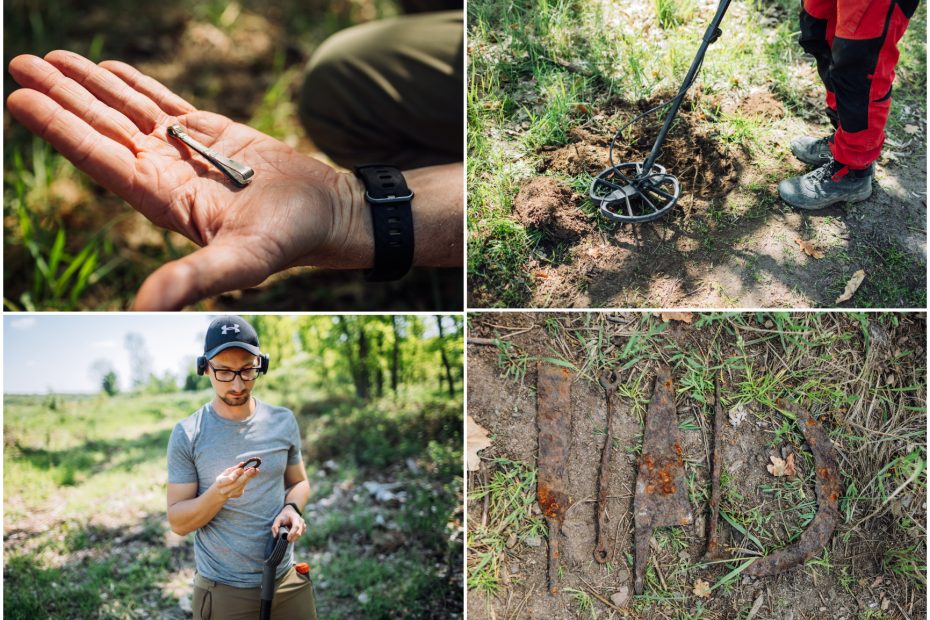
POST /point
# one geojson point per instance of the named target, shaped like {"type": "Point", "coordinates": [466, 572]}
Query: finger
{"type": "Point", "coordinates": [110, 89]}
{"type": "Point", "coordinates": [216, 268]}
{"type": "Point", "coordinates": [111, 164]}
{"type": "Point", "coordinates": [167, 100]}
{"type": "Point", "coordinates": [37, 74]}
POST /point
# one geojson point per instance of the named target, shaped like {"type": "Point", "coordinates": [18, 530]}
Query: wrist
{"type": "Point", "coordinates": [350, 242]}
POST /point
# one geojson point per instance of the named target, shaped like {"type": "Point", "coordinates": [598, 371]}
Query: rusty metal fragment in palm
{"type": "Point", "coordinates": [554, 418]}
{"type": "Point", "coordinates": [660, 497]}
{"type": "Point", "coordinates": [827, 486]}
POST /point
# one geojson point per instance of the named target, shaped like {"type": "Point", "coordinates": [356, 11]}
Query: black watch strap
{"type": "Point", "coordinates": [387, 193]}
{"type": "Point", "coordinates": [294, 506]}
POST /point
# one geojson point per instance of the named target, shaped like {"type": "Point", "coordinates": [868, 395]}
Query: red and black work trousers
{"type": "Point", "coordinates": [855, 43]}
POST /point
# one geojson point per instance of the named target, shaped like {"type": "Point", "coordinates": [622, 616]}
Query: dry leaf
{"type": "Point", "coordinates": [777, 468]}
{"type": "Point", "coordinates": [477, 440]}
{"type": "Point", "coordinates": [851, 287]}
{"type": "Point", "coordinates": [790, 469]}
{"type": "Point", "coordinates": [809, 248]}
{"type": "Point", "coordinates": [684, 317]}
{"type": "Point", "coordinates": [737, 414]}
{"type": "Point", "coordinates": [701, 589]}
{"type": "Point", "coordinates": [581, 108]}
{"type": "Point", "coordinates": [911, 129]}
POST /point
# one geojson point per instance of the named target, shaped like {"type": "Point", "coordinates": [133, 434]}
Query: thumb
{"type": "Point", "coordinates": [216, 268]}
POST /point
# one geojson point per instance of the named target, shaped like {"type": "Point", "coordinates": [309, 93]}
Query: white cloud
{"type": "Point", "coordinates": [24, 323]}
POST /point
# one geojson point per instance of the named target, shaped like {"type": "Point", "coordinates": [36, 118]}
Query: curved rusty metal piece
{"type": "Point", "coordinates": [827, 483]}
{"type": "Point", "coordinates": [609, 381]}
{"type": "Point", "coordinates": [660, 497]}
{"type": "Point", "coordinates": [554, 418]}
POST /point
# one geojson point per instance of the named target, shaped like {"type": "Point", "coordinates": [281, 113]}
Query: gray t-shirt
{"type": "Point", "coordinates": [231, 548]}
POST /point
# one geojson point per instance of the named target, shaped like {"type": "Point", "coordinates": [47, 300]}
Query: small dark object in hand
{"type": "Point", "coordinates": [248, 464]}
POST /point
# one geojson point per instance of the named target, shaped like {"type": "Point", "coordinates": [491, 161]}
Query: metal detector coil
{"type": "Point", "coordinates": [637, 192]}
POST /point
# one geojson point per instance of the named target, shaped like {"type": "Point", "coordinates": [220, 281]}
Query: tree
{"type": "Point", "coordinates": [444, 357]}
{"type": "Point", "coordinates": [140, 360]}
{"type": "Point", "coordinates": [110, 383]}
{"type": "Point", "coordinates": [103, 374]}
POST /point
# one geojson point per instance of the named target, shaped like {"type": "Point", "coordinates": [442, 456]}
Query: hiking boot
{"type": "Point", "coordinates": [814, 151]}
{"type": "Point", "coordinates": [831, 183]}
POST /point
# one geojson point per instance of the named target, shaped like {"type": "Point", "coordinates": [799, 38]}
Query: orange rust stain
{"type": "Point", "coordinates": [834, 497]}
{"type": "Point", "coordinates": [648, 462]}
{"type": "Point", "coordinates": [823, 472]}
{"type": "Point", "coordinates": [812, 441]}
{"type": "Point", "coordinates": [677, 448]}
{"type": "Point", "coordinates": [811, 422]}
{"type": "Point", "coordinates": [650, 488]}
{"type": "Point", "coordinates": [685, 521]}
{"type": "Point", "coordinates": [666, 486]}
{"type": "Point", "coordinates": [668, 384]}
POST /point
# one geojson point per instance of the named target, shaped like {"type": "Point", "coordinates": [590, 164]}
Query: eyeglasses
{"type": "Point", "coordinates": [225, 375]}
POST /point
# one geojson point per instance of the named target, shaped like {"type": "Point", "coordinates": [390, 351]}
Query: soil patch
{"type": "Point", "coordinates": [548, 204]}
{"type": "Point", "coordinates": [761, 104]}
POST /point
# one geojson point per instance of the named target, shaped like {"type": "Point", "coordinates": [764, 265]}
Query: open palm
{"type": "Point", "coordinates": [111, 121]}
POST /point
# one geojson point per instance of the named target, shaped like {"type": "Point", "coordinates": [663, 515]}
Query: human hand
{"type": "Point", "coordinates": [293, 521]}
{"type": "Point", "coordinates": [111, 121]}
{"type": "Point", "coordinates": [231, 482]}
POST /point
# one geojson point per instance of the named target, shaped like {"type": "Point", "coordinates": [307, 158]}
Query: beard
{"type": "Point", "coordinates": [236, 401]}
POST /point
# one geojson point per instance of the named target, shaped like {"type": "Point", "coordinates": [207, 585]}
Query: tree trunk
{"type": "Point", "coordinates": [395, 358]}
{"type": "Point", "coordinates": [445, 360]}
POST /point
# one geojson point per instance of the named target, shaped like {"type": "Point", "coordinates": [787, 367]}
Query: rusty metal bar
{"type": "Point", "coordinates": [712, 553]}
{"type": "Point", "coordinates": [660, 497]}
{"type": "Point", "coordinates": [609, 381]}
{"type": "Point", "coordinates": [554, 419]}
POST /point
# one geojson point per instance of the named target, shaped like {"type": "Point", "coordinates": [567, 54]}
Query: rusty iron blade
{"type": "Point", "coordinates": [827, 485]}
{"type": "Point", "coordinates": [609, 381]}
{"type": "Point", "coordinates": [660, 482]}
{"type": "Point", "coordinates": [712, 553]}
{"type": "Point", "coordinates": [554, 419]}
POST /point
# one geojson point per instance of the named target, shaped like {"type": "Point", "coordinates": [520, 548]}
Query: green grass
{"type": "Point", "coordinates": [510, 494]}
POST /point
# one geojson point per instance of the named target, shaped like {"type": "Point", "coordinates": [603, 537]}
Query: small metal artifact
{"type": "Point", "coordinates": [240, 174]}
{"type": "Point", "coordinates": [609, 381]}
{"type": "Point", "coordinates": [827, 486]}
{"type": "Point", "coordinates": [554, 418]}
{"type": "Point", "coordinates": [660, 482]}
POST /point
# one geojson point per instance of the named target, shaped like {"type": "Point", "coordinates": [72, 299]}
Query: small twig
{"type": "Point", "coordinates": [483, 341]}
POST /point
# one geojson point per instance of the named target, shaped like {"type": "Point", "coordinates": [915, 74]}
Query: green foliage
{"type": "Point", "coordinates": [110, 384]}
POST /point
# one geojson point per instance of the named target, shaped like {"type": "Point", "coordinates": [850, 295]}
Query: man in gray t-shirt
{"type": "Point", "coordinates": [235, 511]}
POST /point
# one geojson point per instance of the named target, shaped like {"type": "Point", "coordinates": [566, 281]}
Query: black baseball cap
{"type": "Point", "coordinates": [230, 331]}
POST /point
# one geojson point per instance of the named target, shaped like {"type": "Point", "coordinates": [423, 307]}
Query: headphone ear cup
{"type": "Point", "coordinates": [264, 363]}
{"type": "Point", "coordinates": [201, 365]}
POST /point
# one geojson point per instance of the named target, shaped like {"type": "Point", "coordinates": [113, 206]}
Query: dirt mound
{"type": "Point", "coordinates": [761, 104]}
{"type": "Point", "coordinates": [705, 166]}
{"type": "Point", "coordinates": [547, 204]}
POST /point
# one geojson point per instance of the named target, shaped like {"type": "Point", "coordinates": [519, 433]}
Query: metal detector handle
{"type": "Point", "coordinates": [710, 35]}
{"type": "Point", "coordinates": [268, 572]}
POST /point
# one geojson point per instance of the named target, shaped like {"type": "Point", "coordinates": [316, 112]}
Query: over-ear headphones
{"type": "Point", "coordinates": [263, 362]}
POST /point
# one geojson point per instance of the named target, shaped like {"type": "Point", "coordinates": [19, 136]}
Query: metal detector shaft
{"type": "Point", "coordinates": [268, 572]}
{"type": "Point", "coordinates": [710, 35]}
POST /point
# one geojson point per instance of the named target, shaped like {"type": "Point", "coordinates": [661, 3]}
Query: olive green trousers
{"type": "Point", "coordinates": [293, 599]}
{"type": "Point", "coordinates": [389, 92]}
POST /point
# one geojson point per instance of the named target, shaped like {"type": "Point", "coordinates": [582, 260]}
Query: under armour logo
{"type": "Point", "coordinates": [231, 328]}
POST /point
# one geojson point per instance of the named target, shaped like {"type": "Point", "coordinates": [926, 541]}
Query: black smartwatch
{"type": "Point", "coordinates": [387, 193]}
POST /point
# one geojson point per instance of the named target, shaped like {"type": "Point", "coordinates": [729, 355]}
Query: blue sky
{"type": "Point", "coordinates": [55, 352]}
